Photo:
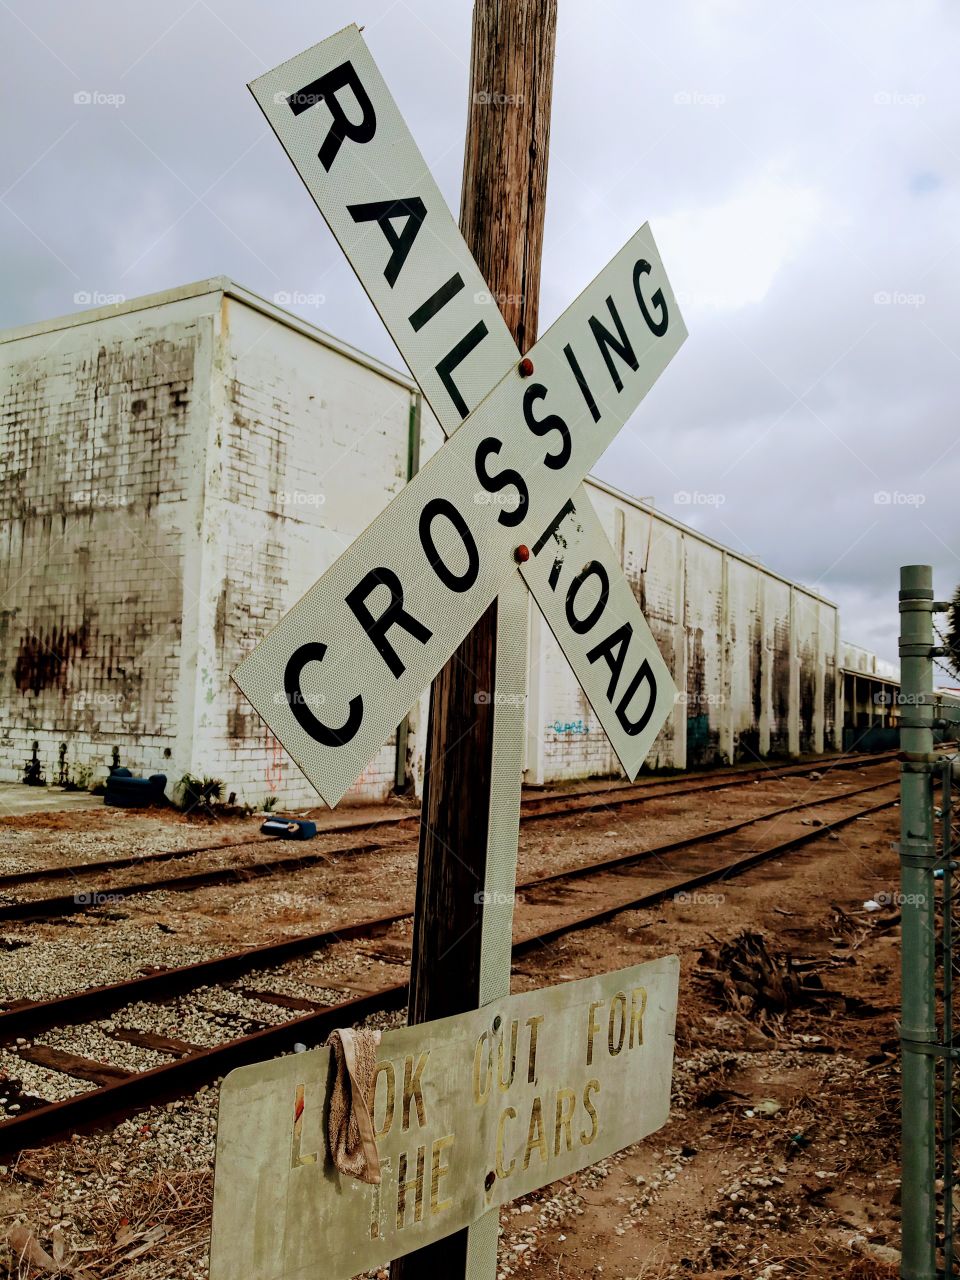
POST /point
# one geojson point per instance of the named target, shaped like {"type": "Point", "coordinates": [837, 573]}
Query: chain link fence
{"type": "Point", "coordinates": [930, 911]}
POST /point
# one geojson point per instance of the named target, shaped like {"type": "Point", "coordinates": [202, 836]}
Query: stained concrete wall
{"type": "Point", "coordinates": [101, 439]}
{"type": "Point", "coordinates": [870, 687]}
{"type": "Point", "coordinates": [178, 470]}
{"type": "Point", "coordinates": [854, 658]}
{"type": "Point", "coordinates": [311, 444]}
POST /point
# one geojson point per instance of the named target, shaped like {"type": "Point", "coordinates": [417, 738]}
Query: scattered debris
{"type": "Point", "coordinates": [755, 981]}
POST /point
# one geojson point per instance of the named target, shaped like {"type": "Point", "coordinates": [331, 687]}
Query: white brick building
{"type": "Point", "coordinates": [175, 472]}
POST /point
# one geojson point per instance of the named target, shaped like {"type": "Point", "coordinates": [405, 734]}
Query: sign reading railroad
{"type": "Point", "coordinates": [441, 314]}
{"type": "Point", "coordinates": [468, 1113]}
{"type": "Point", "coordinates": [346, 664]}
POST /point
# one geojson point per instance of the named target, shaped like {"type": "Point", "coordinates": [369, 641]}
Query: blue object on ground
{"type": "Point", "coordinates": [289, 828]}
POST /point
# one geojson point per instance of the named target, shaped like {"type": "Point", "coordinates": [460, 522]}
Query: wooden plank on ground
{"type": "Point", "coordinates": [72, 1064]}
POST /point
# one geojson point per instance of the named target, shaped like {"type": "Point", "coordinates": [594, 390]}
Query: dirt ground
{"type": "Point", "coordinates": [779, 1159]}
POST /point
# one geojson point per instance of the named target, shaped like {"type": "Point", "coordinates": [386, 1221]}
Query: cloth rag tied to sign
{"type": "Point", "coordinates": [353, 1148]}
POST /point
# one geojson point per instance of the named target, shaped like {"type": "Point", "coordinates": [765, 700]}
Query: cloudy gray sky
{"type": "Point", "coordinates": [798, 163]}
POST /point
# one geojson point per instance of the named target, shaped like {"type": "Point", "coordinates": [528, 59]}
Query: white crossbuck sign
{"type": "Point", "coordinates": [340, 671]}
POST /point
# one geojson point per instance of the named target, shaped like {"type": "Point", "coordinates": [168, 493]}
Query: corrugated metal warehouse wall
{"type": "Point", "coordinates": [178, 470]}
{"type": "Point", "coordinates": [754, 656]}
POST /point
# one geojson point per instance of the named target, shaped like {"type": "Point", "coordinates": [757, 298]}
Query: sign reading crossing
{"type": "Point", "coordinates": [469, 1112]}
{"type": "Point", "coordinates": [373, 187]}
{"type": "Point", "coordinates": [345, 665]}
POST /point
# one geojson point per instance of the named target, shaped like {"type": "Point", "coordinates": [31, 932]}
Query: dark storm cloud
{"type": "Point", "coordinates": [797, 163]}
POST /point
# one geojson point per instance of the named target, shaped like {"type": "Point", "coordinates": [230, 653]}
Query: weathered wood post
{"type": "Point", "coordinates": [471, 803]}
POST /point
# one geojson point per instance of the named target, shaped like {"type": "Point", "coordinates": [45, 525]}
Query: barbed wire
{"type": "Point", "coordinates": [947, 671]}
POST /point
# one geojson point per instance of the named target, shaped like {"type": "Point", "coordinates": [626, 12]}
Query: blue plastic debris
{"type": "Point", "coordinates": [289, 828]}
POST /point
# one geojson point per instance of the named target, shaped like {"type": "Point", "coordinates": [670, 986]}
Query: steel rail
{"type": "Point", "coordinates": [185, 1075]}
{"type": "Point", "coordinates": [719, 779]}
{"type": "Point", "coordinates": [13, 879]}
{"type": "Point", "coordinates": [70, 903]}
{"type": "Point", "coordinates": [732, 869]}
{"type": "Point", "coordinates": [714, 780]}
{"type": "Point", "coordinates": [27, 909]}
{"type": "Point", "coordinates": [33, 1016]}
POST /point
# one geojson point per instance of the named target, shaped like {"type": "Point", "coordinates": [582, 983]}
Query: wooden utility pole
{"type": "Point", "coordinates": [471, 800]}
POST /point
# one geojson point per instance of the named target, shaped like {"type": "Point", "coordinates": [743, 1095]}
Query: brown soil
{"type": "Point", "coordinates": [728, 1189]}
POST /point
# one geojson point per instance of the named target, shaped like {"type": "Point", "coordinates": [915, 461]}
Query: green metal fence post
{"type": "Point", "coordinates": [949, 1064]}
{"type": "Point", "coordinates": [917, 857]}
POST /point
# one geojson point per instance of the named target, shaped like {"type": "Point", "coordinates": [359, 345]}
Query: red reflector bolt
{"type": "Point", "coordinates": [526, 367]}
{"type": "Point", "coordinates": [522, 554]}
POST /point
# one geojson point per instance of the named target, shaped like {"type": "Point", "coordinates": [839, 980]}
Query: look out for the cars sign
{"type": "Point", "coordinates": [341, 670]}
{"type": "Point", "coordinates": [469, 1112]}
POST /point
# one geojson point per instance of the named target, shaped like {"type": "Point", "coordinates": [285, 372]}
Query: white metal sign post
{"type": "Point", "coordinates": [345, 665]}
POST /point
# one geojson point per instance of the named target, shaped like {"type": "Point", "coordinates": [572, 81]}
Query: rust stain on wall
{"type": "Point", "coordinates": [220, 619]}
{"type": "Point", "coordinates": [808, 696]}
{"type": "Point", "coordinates": [756, 669]}
{"type": "Point", "coordinates": [780, 728]}
{"type": "Point", "coordinates": [638, 583]}
{"type": "Point", "coordinates": [701, 739]}
{"type": "Point", "coordinates": [829, 702]}
{"type": "Point", "coordinates": [44, 658]}
{"type": "Point", "coordinates": [241, 724]}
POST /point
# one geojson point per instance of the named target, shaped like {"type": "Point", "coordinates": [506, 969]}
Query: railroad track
{"type": "Point", "coordinates": [714, 780]}
{"type": "Point", "coordinates": [89, 893]}
{"type": "Point", "coordinates": [596, 891]}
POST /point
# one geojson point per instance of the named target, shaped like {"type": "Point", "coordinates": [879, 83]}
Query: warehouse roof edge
{"type": "Point", "coordinates": [232, 289]}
